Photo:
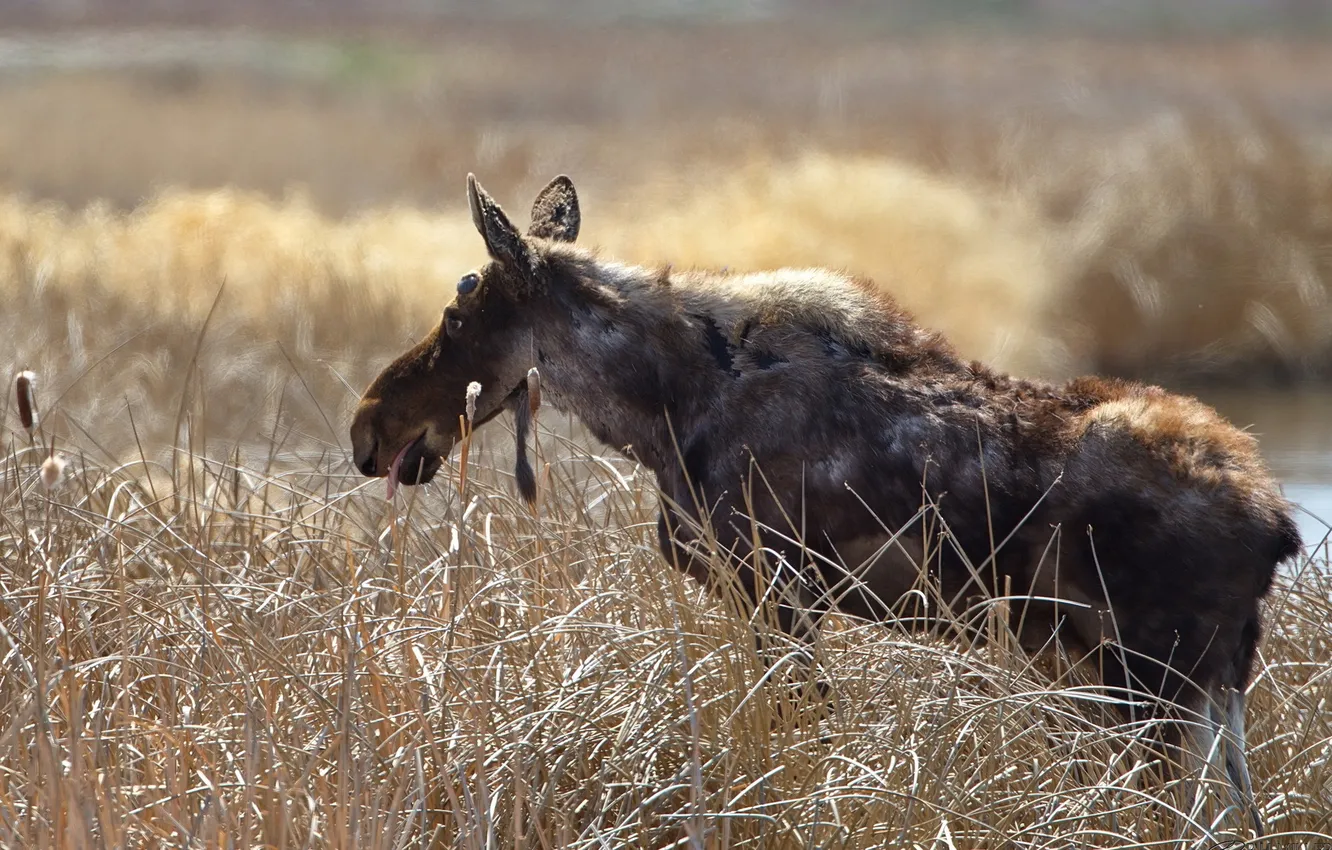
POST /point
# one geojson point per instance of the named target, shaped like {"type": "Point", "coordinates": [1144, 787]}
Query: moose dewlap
{"type": "Point", "coordinates": [1143, 527]}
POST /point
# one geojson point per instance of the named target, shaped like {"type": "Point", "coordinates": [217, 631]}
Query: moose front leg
{"type": "Point", "coordinates": [732, 567]}
{"type": "Point", "coordinates": [680, 550]}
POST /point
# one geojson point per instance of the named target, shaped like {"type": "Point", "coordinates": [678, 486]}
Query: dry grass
{"type": "Point", "coordinates": [212, 632]}
{"type": "Point", "coordinates": [225, 657]}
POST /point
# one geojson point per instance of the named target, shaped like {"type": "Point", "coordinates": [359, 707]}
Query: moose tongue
{"type": "Point", "coordinates": [393, 469]}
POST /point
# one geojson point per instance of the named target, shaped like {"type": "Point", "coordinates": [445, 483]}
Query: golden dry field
{"type": "Point", "coordinates": [215, 633]}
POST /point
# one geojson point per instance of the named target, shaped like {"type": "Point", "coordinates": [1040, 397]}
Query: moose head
{"type": "Point", "coordinates": [410, 416]}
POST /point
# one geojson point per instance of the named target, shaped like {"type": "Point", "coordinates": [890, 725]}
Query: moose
{"type": "Point", "coordinates": [802, 417]}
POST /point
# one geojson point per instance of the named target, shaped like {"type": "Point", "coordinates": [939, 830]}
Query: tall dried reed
{"type": "Point", "coordinates": [224, 656]}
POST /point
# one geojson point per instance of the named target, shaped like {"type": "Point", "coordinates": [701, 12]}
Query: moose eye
{"type": "Point", "coordinates": [467, 283]}
{"type": "Point", "coordinates": [452, 322]}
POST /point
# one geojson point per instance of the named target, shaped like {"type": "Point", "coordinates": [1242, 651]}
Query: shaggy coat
{"type": "Point", "coordinates": [868, 455]}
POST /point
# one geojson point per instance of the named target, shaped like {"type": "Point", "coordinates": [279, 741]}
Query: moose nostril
{"type": "Point", "coordinates": [368, 465]}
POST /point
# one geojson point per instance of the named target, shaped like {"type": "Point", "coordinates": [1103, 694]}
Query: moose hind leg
{"type": "Point", "coordinates": [1200, 728]}
{"type": "Point", "coordinates": [1214, 747]}
{"type": "Point", "coordinates": [1237, 757]}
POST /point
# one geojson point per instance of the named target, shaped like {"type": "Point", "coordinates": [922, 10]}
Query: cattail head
{"type": "Point", "coordinates": [473, 392]}
{"type": "Point", "coordinates": [25, 386]}
{"type": "Point", "coordinates": [533, 390]}
{"type": "Point", "coordinates": [53, 471]}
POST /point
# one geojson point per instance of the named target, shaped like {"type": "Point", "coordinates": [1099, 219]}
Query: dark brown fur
{"type": "Point", "coordinates": [812, 404]}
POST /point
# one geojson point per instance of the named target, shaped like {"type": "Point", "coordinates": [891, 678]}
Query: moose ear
{"type": "Point", "coordinates": [555, 213]}
{"type": "Point", "coordinates": [502, 239]}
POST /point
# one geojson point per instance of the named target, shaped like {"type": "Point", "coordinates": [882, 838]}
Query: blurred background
{"type": "Point", "coordinates": [218, 220]}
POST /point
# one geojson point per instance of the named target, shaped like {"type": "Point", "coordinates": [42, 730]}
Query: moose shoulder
{"type": "Point", "coordinates": [808, 405]}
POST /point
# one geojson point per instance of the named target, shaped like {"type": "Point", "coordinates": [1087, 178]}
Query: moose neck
{"type": "Point", "coordinates": [615, 349]}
